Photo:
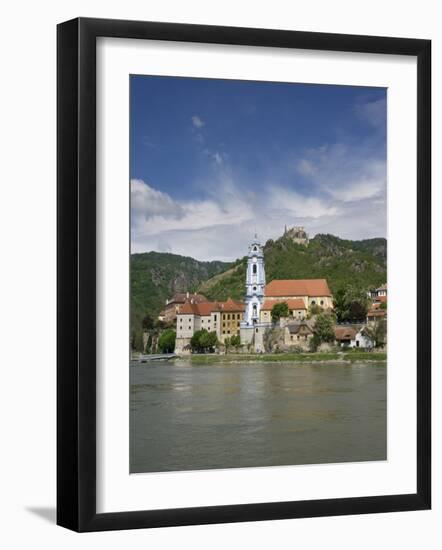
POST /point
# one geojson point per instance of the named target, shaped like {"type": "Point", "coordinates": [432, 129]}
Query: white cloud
{"type": "Point", "coordinates": [342, 191]}
{"type": "Point", "coordinates": [373, 112]}
{"type": "Point", "coordinates": [306, 167]}
{"type": "Point", "coordinates": [197, 121]}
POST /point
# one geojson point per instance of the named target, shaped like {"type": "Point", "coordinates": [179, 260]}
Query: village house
{"type": "Point", "coordinates": [376, 314]}
{"type": "Point", "coordinates": [380, 292]}
{"type": "Point", "coordinates": [298, 334]}
{"type": "Point", "coordinates": [362, 340]}
{"type": "Point", "coordinates": [344, 336]}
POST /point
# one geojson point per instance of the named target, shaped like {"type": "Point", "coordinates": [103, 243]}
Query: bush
{"type": "Point", "coordinates": [280, 310]}
{"type": "Point", "coordinates": [203, 341]}
{"type": "Point", "coordinates": [166, 342]}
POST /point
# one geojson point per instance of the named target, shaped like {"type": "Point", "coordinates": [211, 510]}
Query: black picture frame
{"type": "Point", "coordinates": [76, 274]}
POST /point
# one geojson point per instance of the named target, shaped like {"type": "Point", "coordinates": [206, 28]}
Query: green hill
{"type": "Point", "coordinates": [156, 276]}
{"type": "Point", "coordinates": [341, 262]}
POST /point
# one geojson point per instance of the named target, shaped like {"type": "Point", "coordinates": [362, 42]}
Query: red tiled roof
{"type": "Point", "coordinates": [231, 305]}
{"type": "Point", "coordinates": [298, 287]}
{"type": "Point", "coordinates": [377, 313]}
{"type": "Point", "coordinates": [181, 298]}
{"type": "Point", "coordinates": [293, 303]}
{"type": "Point", "coordinates": [206, 308]}
{"type": "Point", "coordinates": [344, 333]}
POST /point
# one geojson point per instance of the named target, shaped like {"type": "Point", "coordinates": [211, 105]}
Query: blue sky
{"type": "Point", "coordinates": [213, 160]}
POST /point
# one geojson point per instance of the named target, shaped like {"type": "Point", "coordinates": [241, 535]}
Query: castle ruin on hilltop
{"type": "Point", "coordinates": [297, 234]}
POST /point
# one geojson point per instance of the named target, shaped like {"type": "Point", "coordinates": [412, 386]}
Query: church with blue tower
{"type": "Point", "coordinates": [250, 329]}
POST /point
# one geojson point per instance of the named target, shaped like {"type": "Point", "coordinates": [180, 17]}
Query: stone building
{"type": "Point", "coordinates": [298, 334]}
{"type": "Point", "coordinates": [173, 305]}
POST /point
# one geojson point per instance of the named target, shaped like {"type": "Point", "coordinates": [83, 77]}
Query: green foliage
{"type": "Point", "coordinates": [383, 305]}
{"type": "Point", "coordinates": [235, 341]}
{"type": "Point", "coordinates": [166, 342]}
{"type": "Point", "coordinates": [147, 323]}
{"type": "Point", "coordinates": [323, 331]}
{"type": "Point", "coordinates": [137, 340]}
{"type": "Point", "coordinates": [351, 303]}
{"type": "Point", "coordinates": [377, 332]}
{"type": "Point", "coordinates": [314, 309]}
{"type": "Point", "coordinates": [203, 341]}
{"type": "Point", "coordinates": [280, 310]}
{"type": "Point", "coordinates": [149, 344]}
{"type": "Point", "coordinates": [344, 263]}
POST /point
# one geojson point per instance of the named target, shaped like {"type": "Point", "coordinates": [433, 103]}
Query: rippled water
{"type": "Point", "coordinates": [197, 417]}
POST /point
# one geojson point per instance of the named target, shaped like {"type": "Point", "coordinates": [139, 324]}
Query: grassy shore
{"type": "Point", "coordinates": [350, 357]}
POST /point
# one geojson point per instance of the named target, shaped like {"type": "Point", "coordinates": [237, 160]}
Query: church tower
{"type": "Point", "coordinates": [255, 283]}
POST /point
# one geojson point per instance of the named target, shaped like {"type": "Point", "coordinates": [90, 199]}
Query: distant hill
{"type": "Point", "coordinates": [156, 276]}
{"type": "Point", "coordinates": [341, 262]}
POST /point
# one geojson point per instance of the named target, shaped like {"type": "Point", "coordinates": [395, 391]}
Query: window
{"type": "Point", "coordinates": [228, 332]}
{"type": "Point", "coordinates": [322, 302]}
{"type": "Point", "coordinates": [228, 316]}
{"type": "Point", "coordinates": [214, 317]}
{"type": "Point", "coordinates": [254, 288]}
{"type": "Point", "coordinates": [254, 269]}
{"type": "Point", "coordinates": [256, 330]}
{"type": "Point", "coordinates": [313, 302]}
{"type": "Point", "coordinates": [255, 249]}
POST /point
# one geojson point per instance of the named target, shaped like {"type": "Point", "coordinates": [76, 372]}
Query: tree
{"type": "Point", "coordinates": [235, 341]}
{"type": "Point", "coordinates": [147, 323]}
{"type": "Point", "coordinates": [323, 331]}
{"type": "Point", "coordinates": [314, 309]}
{"type": "Point", "coordinates": [202, 341]}
{"type": "Point", "coordinates": [350, 304]}
{"type": "Point", "coordinates": [149, 344]}
{"type": "Point", "coordinates": [383, 305]}
{"type": "Point", "coordinates": [280, 310]}
{"type": "Point", "coordinates": [340, 305]}
{"type": "Point", "coordinates": [137, 343]}
{"type": "Point", "coordinates": [166, 342]}
{"type": "Point", "coordinates": [377, 332]}
{"type": "Point", "coordinates": [227, 343]}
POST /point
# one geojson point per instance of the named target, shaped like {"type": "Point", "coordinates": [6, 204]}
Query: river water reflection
{"type": "Point", "coordinates": [197, 417]}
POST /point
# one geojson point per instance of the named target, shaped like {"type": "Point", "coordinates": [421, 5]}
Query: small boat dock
{"type": "Point", "coordinates": [156, 357]}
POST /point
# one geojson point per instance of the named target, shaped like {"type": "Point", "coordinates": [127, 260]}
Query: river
{"type": "Point", "coordinates": [197, 417]}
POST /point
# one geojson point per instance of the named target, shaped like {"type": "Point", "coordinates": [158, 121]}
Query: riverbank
{"type": "Point", "coordinates": [351, 357]}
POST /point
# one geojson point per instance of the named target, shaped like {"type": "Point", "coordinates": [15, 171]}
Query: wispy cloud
{"type": "Point", "coordinates": [197, 121]}
{"type": "Point", "coordinates": [373, 112]}
{"type": "Point", "coordinates": [344, 195]}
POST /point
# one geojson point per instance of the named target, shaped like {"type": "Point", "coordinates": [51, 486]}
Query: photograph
{"type": "Point", "coordinates": [258, 274]}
